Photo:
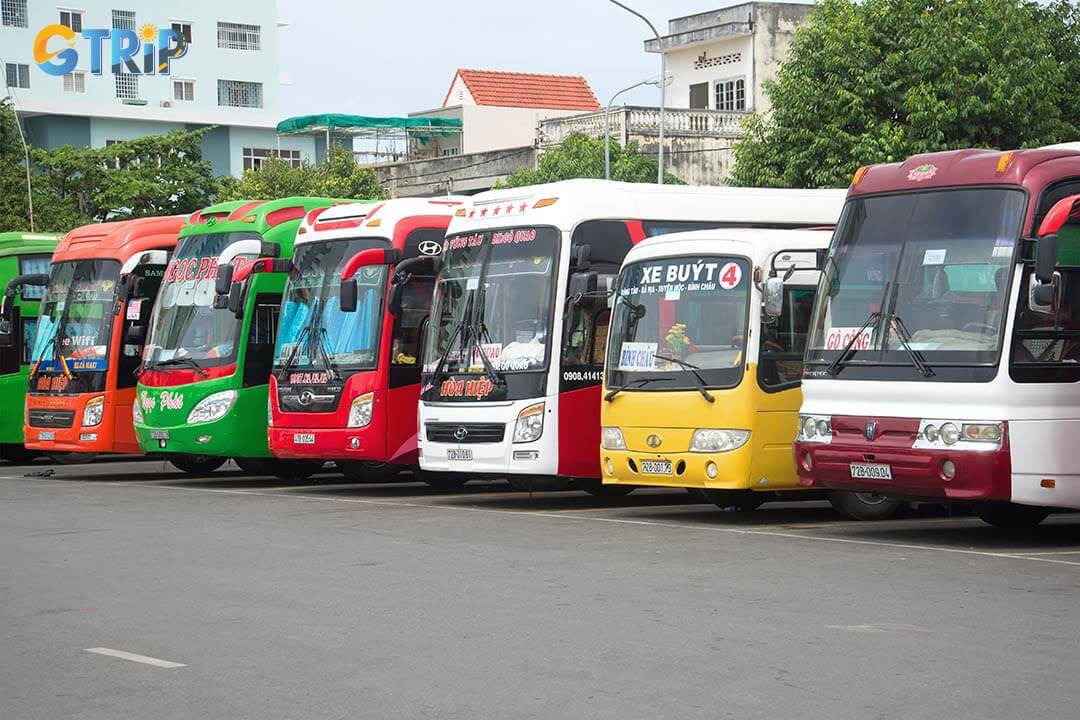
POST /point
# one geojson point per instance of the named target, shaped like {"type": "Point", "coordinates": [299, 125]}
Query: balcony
{"type": "Point", "coordinates": [638, 122]}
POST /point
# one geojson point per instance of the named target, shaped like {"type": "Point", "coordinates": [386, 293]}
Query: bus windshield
{"type": "Point", "coordinates": [919, 277]}
{"type": "Point", "coordinates": [674, 317]}
{"type": "Point", "coordinates": [314, 333]}
{"type": "Point", "coordinates": [71, 347]}
{"type": "Point", "coordinates": [493, 294]}
{"type": "Point", "coordinates": [185, 326]}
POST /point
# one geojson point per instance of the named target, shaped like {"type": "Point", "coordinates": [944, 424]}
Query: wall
{"type": "Point", "coordinates": [775, 25]}
{"type": "Point", "coordinates": [694, 160]}
{"type": "Point", "coordinates": [240, 138]}
{"type": "Point", "coordinates": [465, 174]}
{"type": "Point", "coordinates": [680, 64]}
{"type": "Point", "coordinates": [492, 128]}
{"type": "Point", "coordinates": [102, 129]}
{"type": "Point", "coordinates": [53, 131]}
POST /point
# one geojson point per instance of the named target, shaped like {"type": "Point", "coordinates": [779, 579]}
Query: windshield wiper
{"type": "Point", "coordinates": [437, 373]}
{"type": "Point", "coordinates": [640, 381]}
{"type": "Point", "coordinates": [190, 362]}
{"type": "Point", "coordinates": [291, 360]}
{"type": "Point", "coordinates": [700, 381]}
{"type": "Point", "coordinates": [324, 338]}
{"type": "Point", "coordinates": [905, 340]}
{"type": "Point", "coordinates": [477, 329]}
{"type": "Point", "coordinates": [845, 355]}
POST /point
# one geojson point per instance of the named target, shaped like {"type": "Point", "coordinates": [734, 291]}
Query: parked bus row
{"type": "Point", "coordinates": [606, 334]}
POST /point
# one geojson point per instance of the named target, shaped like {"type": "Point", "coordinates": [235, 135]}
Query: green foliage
{"type": "Point", "coordinates": [151, 175]}
{"type": "Point", "coordinates": [871, 81]}
{"type": "Point", "coordinates": [338, 177]}
{"type": "Point", "coordinates": [580, 156]}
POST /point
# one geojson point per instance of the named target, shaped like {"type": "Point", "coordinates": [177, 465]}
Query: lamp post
{"type": "Point", "coordinates": [663, 87]}
{"type": "Point", "coordinates": [607, 119]}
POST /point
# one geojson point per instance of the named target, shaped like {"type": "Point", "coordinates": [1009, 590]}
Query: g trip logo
{"type": "Point", "coordinates": [150, 51]}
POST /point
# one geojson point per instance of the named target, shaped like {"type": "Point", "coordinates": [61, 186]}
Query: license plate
{"type": "Point", "coordinates": [459, 454]}
{"type": "Point", "coordinates": [159, 434]}
{"type": "Point", "coordinates": [46, 435]}
{"type": "Point", "coordinates": [303, 438]}
{"type": "Point", "coordinates": [867, 471]}
{"type": "Point", "coordinates": [656, 467]}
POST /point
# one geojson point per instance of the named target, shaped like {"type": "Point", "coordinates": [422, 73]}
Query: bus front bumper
{"type": "Point", "coordinates": [366, 444]}
{"type": "Point", "coordinates": [219, 438]}
{"type": "Point", "coordinates": [712, 471]}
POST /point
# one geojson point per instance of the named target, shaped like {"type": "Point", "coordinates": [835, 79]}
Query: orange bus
{"type": "Point", "coordinates": [91, 329]}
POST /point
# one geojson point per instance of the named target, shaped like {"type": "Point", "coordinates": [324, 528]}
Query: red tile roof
{"type": "Point", "coordinates": [527, 90]}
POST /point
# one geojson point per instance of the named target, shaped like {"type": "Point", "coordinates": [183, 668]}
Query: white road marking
{"type": "Point", "coordinates": [135, 658]}
{"type": "Point", "coordinates": [881, 628]}
{"type": "Point", "coordinates": [1053, 552]}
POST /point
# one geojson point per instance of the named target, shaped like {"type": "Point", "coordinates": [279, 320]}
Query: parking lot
{"type": "Point", "coordinates": [133, 590]}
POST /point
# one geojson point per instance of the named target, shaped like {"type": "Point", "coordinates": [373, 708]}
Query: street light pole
{"type": "Point", "coordinates": [607, 127]}
{"type": "Point", "coordinates": [663, 86]}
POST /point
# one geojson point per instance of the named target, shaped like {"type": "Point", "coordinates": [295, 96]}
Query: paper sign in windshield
{"type": "Point", "coordinates": [675, 278]}
{"type": "Point", "coordinates": [839, 337]}
{"type": "Point", "coordinates": [934, 257]}
{"type": "Point", "coordinates": [637, 356]}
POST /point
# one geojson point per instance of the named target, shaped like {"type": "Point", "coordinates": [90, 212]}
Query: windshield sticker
{"type": "Point", "coordinates": [455, 387]}
{"type": "Point", "coordinates": [934, 257]}
{"type": "Point", "coordinates": [513, 236]}
{"type": "Point", "coordinates": [730, 276]}
{"type": "Point", "coordinates": [923, 172]}
{"type": "Point", "coordinates": [309, 378]}
{"type": "Point", "coordinates": [839, 337]}
{"type": "Point", "coordinates": [462, 242]}
{"type": "Point", "coordinates": [637, 356]}
{"type": "Point", "coordinates": [492, 350]}
{"type": "Point", "coordinates": [1002, 251]}
{"type": "Point", "coordinates": [673, 294]}
{"type": "Point", "coordinates": [134, 309]}
{"type": "Point", "coordinates": [472, 283]}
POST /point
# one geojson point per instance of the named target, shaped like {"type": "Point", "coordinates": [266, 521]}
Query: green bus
{"type": "Point", "coordinates": [20, 254]}
{"type": "Point", "coordinates": [202, 392]}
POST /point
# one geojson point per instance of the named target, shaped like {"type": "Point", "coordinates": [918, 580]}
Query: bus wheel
{"type": "Point", "coordinates": [1009, 515]}
{"type": "Point", "coordinates": [72, 458]}
{"type": "Point", "coordinates": [597, 489]}
{"type": "Point", "coordinates": [18, 453]}
{"type": "Point", "coordinates": [742, 500]}
{"type": "Point", "coordinates": [443, 481]}
{"type": "Point", "coordinates": [197, 464]}
{"type": "Point", "coordinates": [361, 471]}
{"type": "Point", "coordinates": [864, 506]}
{"type": "Point", "coordinates": [254, 466]}
{"type": "Point", "coordinates": [295, 470]}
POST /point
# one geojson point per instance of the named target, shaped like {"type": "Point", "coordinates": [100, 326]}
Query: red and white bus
{"type": "Point", "coordinates": [944, 353]}
{"type": "Point", "coordinates": [514, 355]}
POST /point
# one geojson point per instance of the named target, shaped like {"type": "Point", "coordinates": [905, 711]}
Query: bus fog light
{"type": "Point", "coordinates": [707, 440]}
{"type": "Point", "coordinates": [711, 470]}
{"type": "Point", "coordinates": [526, 455]}
{"type": "Point", "coordinates": [94, 411]}
{"type": "Point", "coordinates": [530, 424]}
{"type": "Point", "coordinates": [611, 438]}
{"type": "Point", "coordinates": [87, 437]}
{"type": "Point", "coordinates": [360, 410]}
{"type": "Point", "coordinates": [354, 443]}
{"type": "Point", "coordinates": [212, 407]}
{"type": "Point", "coordinates": [609, 467]}
{"type": "Point", "coordinates": [807, 462]}
{"type": "Point", "coordinates": [203, 439]}
{"type": "Point", "coordinates": [948, 469]}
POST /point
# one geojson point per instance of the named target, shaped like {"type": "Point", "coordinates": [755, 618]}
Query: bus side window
{"type": "Point", "coordinates": [588, 324]}
{"type": "Point", "coordinates": [11, 357]}
{"type": "Point", "coordinates": [783, 342]}
{"type": "Point", "coordinates": [262, 335]}
{"type": "Point", "coordinates": [415, 306]}
{"type": "Point", "coordinates": [136, 314]}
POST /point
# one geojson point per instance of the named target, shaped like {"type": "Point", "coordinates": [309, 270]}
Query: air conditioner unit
{"type": "Point", "coordinates": [166, 103]}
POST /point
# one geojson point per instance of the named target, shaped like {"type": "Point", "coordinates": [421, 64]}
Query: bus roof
{"type": "Point", "coordinates": [254, 215]}
{"type": "Point", "coordinates": [119, 240]}
{"type": "Point", "coordinates": [973, 166]}
{"type": "Point", "coordinates": [377, 218]}
{"type": "Point", "coordinates": [757, 244]}
{"type": "Point", "coordinates": [564, 204]}
{"type": "Point", "coordinates": [21, 243]}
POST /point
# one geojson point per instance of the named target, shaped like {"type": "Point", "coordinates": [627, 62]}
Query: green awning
{"type": "Point", "coordinates": [419, 127]}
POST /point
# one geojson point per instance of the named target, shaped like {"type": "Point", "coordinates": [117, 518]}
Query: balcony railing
{"type": "Point", "coordinates": [631, 120]}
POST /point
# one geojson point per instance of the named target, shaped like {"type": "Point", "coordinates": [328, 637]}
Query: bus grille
{"type": "Point", "coordinates": [465, 433]}
{"type": "Point", "coordinates": [52, 418]}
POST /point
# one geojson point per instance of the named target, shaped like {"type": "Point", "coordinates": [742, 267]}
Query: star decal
{"type": "Point", "coordinates": [483, 212]}
{"type": "Point", "coordinates": [524, 207]}
{"type": "Point", "coordinates": [510, 208]}
{"type": "Point", "coordinates": [472, 214]}
{"type": "Point", "coordinates": [496, 210]}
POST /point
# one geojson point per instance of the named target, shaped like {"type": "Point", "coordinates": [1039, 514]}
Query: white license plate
{"type": "Point", "coordinates": [656, 467]}
{"type": "Point", "coordinates": [459, 454]}
{"type": "Point", "coordinates": [159, 434]}
{"type": "Point", "coordinates": [867, 471]}
{"type": "Point", "coordinates": [46, 435]}
{"type": "Point", "coordinates": [303, 438]}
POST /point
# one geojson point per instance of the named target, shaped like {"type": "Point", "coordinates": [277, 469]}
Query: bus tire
{"type": "Point", "coordinates": [741, 500]}
{"type": "Point", "coordinates": [254, 466]}
{"type": "Point", "coordinates": [72, 458]}
{"type": "Point", "coordinates": [442, 480]}
{"type": "Point", "coordinates": [197, 464]}
{"type": "Point", "coordinates": [362, 471]}
{"type": "Point", "coordinates": [864, 506]}
{"type": "Point", "coordinates": [1010, 516]}
{"type": "Point", "coordinates": [18, 453]}
{"type": "Point", "coordinates": [596, 488]}
{"type": "Point", "coordinates": [295, 470]}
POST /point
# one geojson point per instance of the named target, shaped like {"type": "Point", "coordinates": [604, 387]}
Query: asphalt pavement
{"type": "Point", "coordinates": [128, 589]}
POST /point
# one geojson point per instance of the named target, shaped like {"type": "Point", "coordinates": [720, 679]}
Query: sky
{"type": "Point", "coordinates": [393, 57]}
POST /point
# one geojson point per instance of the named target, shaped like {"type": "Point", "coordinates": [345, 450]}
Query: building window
{"type": "Point", "coordinates": [239, 93]}
{"type": "Point", "coordinates": [14, 13]}
{"type": "Point", "coordinates": [254, 158]}
{"type": "Point", "coordinates": [237, 36]}
{"type": "Point", "coordinates": [731, 94]}
{"type": "Point", "coordinates": [17, 75]}
{"type": "Point", "coordinates": [183, 29]}
{"type": "Point", "coordinates": [183, 90]}
{"type": "Point", "coordinates": [71, 19]}
{"type": "Point", "coordinates": [127, 86]}
{"type": "Point", "coordinates": [123, 20]}
{"type": "Point", "coordinates": [75, 82]}
{"type": "Point", "coordinates": [447, 152]}
{"type": "Point", "coordinates": [699, 96]}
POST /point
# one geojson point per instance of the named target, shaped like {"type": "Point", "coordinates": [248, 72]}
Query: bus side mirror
{"type": "Point", "coordinates": [269, 249]}
{"type": "Point", "coordinates": [581, 257]}
{"type": "Point", "coordinates": [223, 283]}
{"type": "Point", "coordinates": [349, 296]}
{"type": "Point", "coordinates": [236, 299]}
{"type": "Point", "coordinates": [773, 297]}
{"type": "Point", "coordinates": [1043, 297]}
{"type": "Point", "coordinates": [135, 335]}
{"type": "Point", "coordinates": [393, 306]}
{"type": "Point", "coordinates": [1046, 253]}
{"type": "Point", "coordinates": [581, 285]}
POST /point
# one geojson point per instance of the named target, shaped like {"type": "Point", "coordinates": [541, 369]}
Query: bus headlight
{"type": "Point", "coordinates": [530, 424]}
{"type": "Point", "coordinates": [360, 410]}
{"type": "Point", "coordinates": [136, 410]}
{"type": "Point", "coordinates": [715, 441]}
{"type": "Point", "coordinates": [815, 428]}
{"type": "Point", "coordinates": [611, 438]}
{"type": "Point", "coordinates": [93, 411]}
{"type": "Point", "coordinates": [960, 435]}
{"type": "Point", "coordinates": [212, 407]}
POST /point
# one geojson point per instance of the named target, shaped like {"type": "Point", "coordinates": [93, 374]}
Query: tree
{"type": "Point", "coordinates": [339, 176]}
{"type": "Point", "coordinates": [871, 81]}
{"type": "Point", "coordinates": [580, 156]}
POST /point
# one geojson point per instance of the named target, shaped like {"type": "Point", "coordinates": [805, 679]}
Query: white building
{"type": "Point", "coordinates": [227, 78]}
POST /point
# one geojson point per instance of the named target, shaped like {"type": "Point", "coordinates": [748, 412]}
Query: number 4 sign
{"type": "Point", "coordinates": [730, 276]}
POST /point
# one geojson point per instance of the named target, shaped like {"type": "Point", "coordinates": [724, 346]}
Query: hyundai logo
{"type": "Point", "coordinates": [429, 247]}
{"type": "Point", "coordinates": [461, 433]}
{"type": "Point", "coordinates": [654, 441]}
{"type": "Point", "coordinates": [306, 397]}
{"type": "Point", "coordinates": [871, 429]}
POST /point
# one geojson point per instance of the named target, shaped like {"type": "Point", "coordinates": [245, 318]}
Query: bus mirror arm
{"type": "Point", "coordinates": [1043, 297]}
{"type": "Point", "coordinates": [7, 304]}
{"type": "Point", "coordinates": [269, 249]}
